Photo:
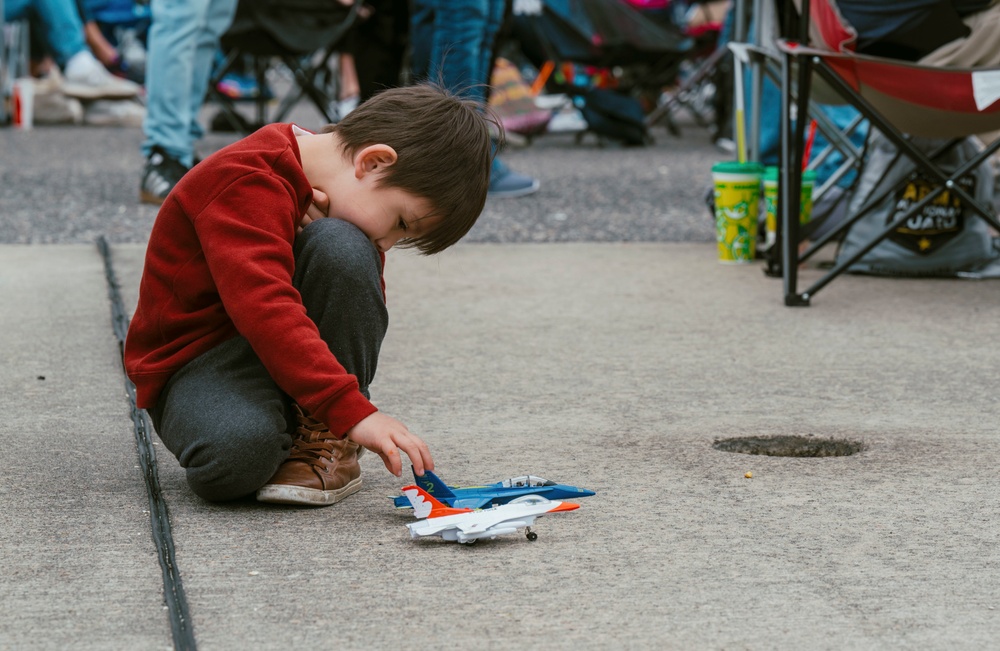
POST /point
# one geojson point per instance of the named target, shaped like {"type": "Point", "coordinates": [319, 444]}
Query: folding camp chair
{"type": "Point", "coordinates": [839, 134]}
{"type": "Point", "coordinates": [901, 100]}
{"type": "Point", "coordinates": [301, 34]}
{"type": "Point", "coordinates": [697, 73]}
{"type": "Point", "coordinates": [604, 34]}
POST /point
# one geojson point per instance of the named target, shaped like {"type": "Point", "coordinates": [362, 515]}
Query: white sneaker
{"type": "Point", "coordinates": [567, 121]}
{"type": "Point", "coordinates": [114, 113]}
{"type": "Point", "coordinates": [86, 78]}
{"type": "Point", "coordinates": [52, 106]}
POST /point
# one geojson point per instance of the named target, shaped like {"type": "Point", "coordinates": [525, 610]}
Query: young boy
{"type": "Point", "coordinates": [262, 303]}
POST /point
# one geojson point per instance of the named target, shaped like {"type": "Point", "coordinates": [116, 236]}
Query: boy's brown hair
{"type": "Point", "coordinates": [443, 148]}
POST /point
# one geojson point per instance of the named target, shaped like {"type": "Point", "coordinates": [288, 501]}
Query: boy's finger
{"type": "Point", "coordinates": [424, 454]}
{"type": "Point", "coordinates": [415, 459]}
{"type": "Point", "coordinates": [419, 455]}
{"type": "Point", "coordinates": [392, 462]}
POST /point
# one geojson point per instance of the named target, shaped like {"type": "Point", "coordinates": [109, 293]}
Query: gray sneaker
{"type": "Point", "coordinates": [506, 184]}
{"type": "Point", "coordinates": [160, 176]}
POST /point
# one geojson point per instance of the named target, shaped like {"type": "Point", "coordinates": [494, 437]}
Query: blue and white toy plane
{"type": "Point", "coordinates": [504, 492]}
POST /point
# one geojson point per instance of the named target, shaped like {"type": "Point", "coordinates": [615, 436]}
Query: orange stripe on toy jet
{"type": "Point", "coordinates": [564, 506]}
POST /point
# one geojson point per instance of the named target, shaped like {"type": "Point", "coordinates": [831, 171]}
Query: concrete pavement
{"type": "Point", "coordinates": [543, 345]}
{"type": "Point", "coordinates": [611, 366]}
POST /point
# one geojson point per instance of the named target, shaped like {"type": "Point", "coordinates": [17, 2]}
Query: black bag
{"type": "Point", "coordinates": [615, 116]}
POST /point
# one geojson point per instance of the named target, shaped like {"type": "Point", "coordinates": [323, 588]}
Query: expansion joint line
{"type": "Point", "coordinates": [159, 517]}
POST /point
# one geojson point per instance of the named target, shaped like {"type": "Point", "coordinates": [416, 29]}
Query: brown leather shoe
{"type": "Point", "coordinates": [321, 470]}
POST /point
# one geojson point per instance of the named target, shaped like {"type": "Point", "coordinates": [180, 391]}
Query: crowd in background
{"type": "Point", "coordinates": [127, 63]}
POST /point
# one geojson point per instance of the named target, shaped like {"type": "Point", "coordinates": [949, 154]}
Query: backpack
{"type": "Point", "coordinates": [945, 239]}
{"type": "Point", "coordinates": [616, 116]}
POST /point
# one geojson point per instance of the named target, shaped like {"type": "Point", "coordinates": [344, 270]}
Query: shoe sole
{"type": "Point", "coordinates": [125, 123]}
{"type": "Point", "coordinates": [513, 194]}
{"type": "Point", "coordinates": [149, 197]}
{"type": "Point", "coordinates": [92, 93]}
{"type": "Point", "coordinates": [300, 495]}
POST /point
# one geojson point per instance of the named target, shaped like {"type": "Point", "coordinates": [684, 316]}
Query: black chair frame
{"type": "Point", "coordinates": [309, 65]}
{"type": "Point", "coordinates": [790, 233]}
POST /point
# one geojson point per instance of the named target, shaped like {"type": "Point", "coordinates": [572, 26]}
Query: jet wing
{"type": "Point", "coordinates": [476, 525]}
{"type": "Point", "coordinates": [477, 502]}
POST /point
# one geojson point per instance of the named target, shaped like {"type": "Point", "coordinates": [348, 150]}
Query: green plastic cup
{"type": "Point", "coordinates": [737, 199]}
{"type": "Point", "coordinates": [771, 201]}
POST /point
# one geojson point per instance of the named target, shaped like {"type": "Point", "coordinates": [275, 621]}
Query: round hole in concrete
{"type": "Point", "coordinates": [790, 446]}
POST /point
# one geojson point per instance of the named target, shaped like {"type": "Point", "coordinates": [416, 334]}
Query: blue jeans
{"type": "Point", "coordinates": [60, 20]}
{"type": "Point", "coordinates": [452, 44]}
{"type": "Point", "coordinates": [183, 39]}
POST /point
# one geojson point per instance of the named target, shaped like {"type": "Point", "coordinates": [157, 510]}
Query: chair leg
{"type": "Point", "coordinates": [226, 104]}
{"type": "Point", "coordinates": [790, 176]}
{"type": "Point", "coordinates": [706, 68]}
{"type": "Point", "coordinates": [260, 66]}
{"type": "Point", "coordinates": [308, 82]}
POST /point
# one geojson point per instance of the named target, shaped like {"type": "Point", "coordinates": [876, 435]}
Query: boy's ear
{"type": "Point", "coordinates": [373, 158]}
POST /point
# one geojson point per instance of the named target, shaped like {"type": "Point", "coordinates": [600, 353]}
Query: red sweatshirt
{"type": "Point", "coordinates": [219, 263]}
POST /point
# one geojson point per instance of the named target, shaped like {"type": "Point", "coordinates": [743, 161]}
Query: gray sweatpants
{"type": "Point", "coordinates": [223, 416]}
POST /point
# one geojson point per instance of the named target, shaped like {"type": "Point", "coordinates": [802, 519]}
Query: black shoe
{"type": "Point", "coordinates": [160, 176]}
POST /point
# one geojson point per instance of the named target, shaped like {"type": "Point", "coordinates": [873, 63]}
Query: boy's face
{"type": "Point", "coordinates": [385, 214]}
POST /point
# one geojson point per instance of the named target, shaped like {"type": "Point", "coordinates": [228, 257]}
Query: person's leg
{"type": "Point", "coordinates": [421, 39]}
{"type": "Point", "coordinates": [379, 45]}
{"type": "Point", "coordinates": [487, 50]}
{"type": "Point", "coordinates": [84, 77]}
{"type": "Point", "coordinates": [61, 20]}
{"type": "Point", "coordinates": [464, 32]}
{"type": "Point", "coordinates": [170, 63]}
{"type": "Point", "coordinates": [338, 274]}
{"type": "Point", "coordinates": [182, 43]}
{"type": "Point", "coordinates": [337, 266]}
{"type": "Point", "coordinates": [213, 23]}
{"type": "Point", "coordinates": [457, 45]}
{"type": "Point", "coordinates": [226, 421]}
{"type": "Point", "coordinates": [15, 9]}
{"type": "Point", "coordinates": [223, 416]}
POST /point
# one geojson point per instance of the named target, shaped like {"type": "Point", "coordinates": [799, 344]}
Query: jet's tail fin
{"type": "Point", "coordinates": [425, 506]}
{"type": "Point", "coordinates": [433, 485]}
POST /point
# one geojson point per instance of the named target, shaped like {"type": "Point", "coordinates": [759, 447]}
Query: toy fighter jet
{"type": "Point", "coordinates": [468, 526]}
{"type": "Point", "coordinates": [478, 497]}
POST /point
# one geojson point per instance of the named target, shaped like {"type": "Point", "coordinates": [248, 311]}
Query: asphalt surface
{"type": "Point", "coordinates": [586, 334]}
{"type": "Point", "coordinates": [71, 184]}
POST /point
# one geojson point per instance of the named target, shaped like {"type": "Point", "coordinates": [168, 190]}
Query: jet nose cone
{"type": "Point", "coordinates": [564, 506]}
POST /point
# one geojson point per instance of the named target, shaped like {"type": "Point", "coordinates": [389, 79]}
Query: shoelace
{"type": "Point", "coordinates": [313, 442]}
{"type": "Point", "coordinates": [313, 453]}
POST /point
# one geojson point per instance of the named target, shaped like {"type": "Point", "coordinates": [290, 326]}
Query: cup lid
{"type": "Point", "coordinates": [771, 174]}
{"type": "Point", "coordinates": [734, 167]}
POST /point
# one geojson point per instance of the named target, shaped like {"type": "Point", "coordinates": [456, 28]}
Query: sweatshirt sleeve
{"type": "Point", "coordinates": [247, 235]}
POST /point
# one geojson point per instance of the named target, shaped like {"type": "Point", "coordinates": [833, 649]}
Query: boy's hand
{"type": "Point", "coordinates": [386, 436]}
{"type": "Point", "coordinates": [318, 209]}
